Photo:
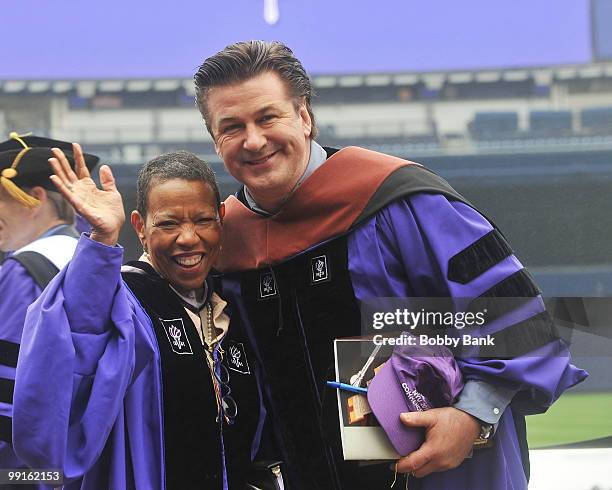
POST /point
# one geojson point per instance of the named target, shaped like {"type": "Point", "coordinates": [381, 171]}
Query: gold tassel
{"type": "Point", "coordinates": [11, 172]}
{"type": "Point", "coordinates": [14, 136]}
{"type": "Point", "coordinates": [18, 194]}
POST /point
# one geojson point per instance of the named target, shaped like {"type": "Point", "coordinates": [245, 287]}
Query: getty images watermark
{"type": "Point", "coordinates": [469, 327]}
{"type": "Point", "coordinates": [492, 327]}
{"type": "Point", "coordinates": [433, 322]}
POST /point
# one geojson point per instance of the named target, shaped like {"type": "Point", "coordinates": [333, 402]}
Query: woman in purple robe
{"type": "Point", "coordinates": [129, 377]}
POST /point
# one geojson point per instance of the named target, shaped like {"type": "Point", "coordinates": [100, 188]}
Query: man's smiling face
{"type": "Point", "coordinates": [262, 137]}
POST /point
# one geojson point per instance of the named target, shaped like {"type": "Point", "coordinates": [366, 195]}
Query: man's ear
{"type": "Point", "coordinates": [217, 150]}
{"type": "Point", "coordinates": [212, 135]}
{"type": "Point", "coordinates": [306, 120]}
{"type": "Point", "coordinates": [138, 223]}
{"type": "Point", "coordinates": [39, 193]}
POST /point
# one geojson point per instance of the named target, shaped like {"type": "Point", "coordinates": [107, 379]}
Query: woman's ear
{"type": "Point", "coordinates": [138, 223]}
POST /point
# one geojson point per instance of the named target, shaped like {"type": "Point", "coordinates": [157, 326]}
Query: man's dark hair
{"type": "Point", "coordinates": [175, 165]}
{"type": "Point", "coordinates": [242, 61]}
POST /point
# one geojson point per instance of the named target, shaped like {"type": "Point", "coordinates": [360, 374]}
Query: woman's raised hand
{"type": "Point", "coordinates": [102, 208]}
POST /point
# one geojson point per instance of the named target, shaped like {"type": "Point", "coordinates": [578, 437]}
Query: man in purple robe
{"type": "Point", "coordinates": [36, 229]}
{"type": "Point", "coordinates": [315, 231]}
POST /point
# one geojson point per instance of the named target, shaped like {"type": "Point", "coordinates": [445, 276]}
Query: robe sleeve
{"type": "Point", "coordinates": [81, 349]}
{"type": "Point", "coordinates": [428, 246]}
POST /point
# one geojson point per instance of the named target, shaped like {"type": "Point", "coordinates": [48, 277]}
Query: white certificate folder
{"type": "Point", "coordinates": [359, 443]}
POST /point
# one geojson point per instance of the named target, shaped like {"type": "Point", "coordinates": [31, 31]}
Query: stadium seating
{"type": "Point", "coordinates": [597, 120]}
{"type": "Point", "coordinates": [550, 123]}
{"type": "Point", "coordinates": [494, 125]}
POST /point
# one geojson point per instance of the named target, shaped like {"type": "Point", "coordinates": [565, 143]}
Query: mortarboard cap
{"type": "Point", "coordinates": [24, 163]}
{"type": "Point", "coordinates": [415, 378]}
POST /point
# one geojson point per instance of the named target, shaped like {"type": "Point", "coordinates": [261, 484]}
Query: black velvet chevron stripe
{"type": "Point", "coordinates": [6, 429]}
{"type": "Point", "coordinates": [478, 258]}
{"type": "Point", "coordinates": [7, 387]}
{"type": "Point", "coordinates": [521, 338]}
{"type": "Point", "coordinates": [9, 352]}
{"type": "Point", "coordinates": [520, 284]}
{"type": "Point", "coordinates": [515, 290]}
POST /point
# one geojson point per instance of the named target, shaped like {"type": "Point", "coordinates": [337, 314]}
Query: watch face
{"type": "Point", "coordinates": [486, 431]}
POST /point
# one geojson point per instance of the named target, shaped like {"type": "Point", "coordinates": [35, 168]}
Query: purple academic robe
{"type": "Point", "coordinates": [17, 291]}
{"type": "Point", "coordinates": [87, 391]}
{"type": "Point", "coordinates": [404, 251]}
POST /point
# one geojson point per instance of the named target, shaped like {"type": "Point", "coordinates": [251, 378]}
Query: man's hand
{"type": "Point", "coordinates": [449, 437]}
{"type": "Point", "coordinates": [102, 208]}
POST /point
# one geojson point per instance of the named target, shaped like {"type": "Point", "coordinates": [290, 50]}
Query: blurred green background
{"type": "Point", "coordinates": [574, 417]}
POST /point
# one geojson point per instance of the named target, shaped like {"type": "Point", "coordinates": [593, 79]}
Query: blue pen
{"type": "Point", "coordinates": [344, 386]}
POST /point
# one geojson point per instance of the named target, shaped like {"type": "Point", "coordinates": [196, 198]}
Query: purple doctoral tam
{"type": "Point", "coordinates": [414, 379]}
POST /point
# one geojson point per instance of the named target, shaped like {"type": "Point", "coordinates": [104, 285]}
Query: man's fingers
{"type": "Point", "coordinates": [426, 469]}
{"type": "Point", "coordinates": [435, 464]}
{"type": "Point", "coordinates": [415, 460]}
{"type": "Point", "coordinates": [68, 174]}
{"type": "Point", "coordinates": [107, 180]}
{"type": "Point", "coordinates": [418, 419]}
{"type": "Point", "coordinates": [79, 161]}
{"type": "Point", "coordinates": [58, 169]}
{"type": "Point", "coordinates": [57, 182]}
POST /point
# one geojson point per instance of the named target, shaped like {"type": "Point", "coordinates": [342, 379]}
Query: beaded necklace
{"type": "Point", "coordinates": [213, 358]}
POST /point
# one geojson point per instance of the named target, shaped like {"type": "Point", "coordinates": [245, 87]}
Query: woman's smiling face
{"type": "Point", "coordinates": [181, 232]}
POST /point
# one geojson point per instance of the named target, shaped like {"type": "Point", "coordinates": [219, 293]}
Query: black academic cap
{"type": "Point", "coordinates": [24, 162]}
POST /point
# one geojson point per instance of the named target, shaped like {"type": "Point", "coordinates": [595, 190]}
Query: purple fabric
{"type": "Point", "coordinates": [415, 378]}
{"type": "Point", "coordinates": [404, 251]}
{"type": "Point", "coordinates": [81, 224]}
{"type": "Point", "coordinates": [541, 377]}
{"type": "Point", "coordinates": [17, 291]}
{"type": "Point", "coordinates": [88, 383]}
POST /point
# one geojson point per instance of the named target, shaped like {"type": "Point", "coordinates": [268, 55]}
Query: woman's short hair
{"type": "Point", "coordinates": [175, 165]}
